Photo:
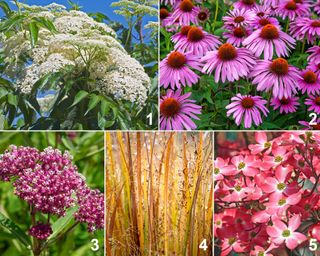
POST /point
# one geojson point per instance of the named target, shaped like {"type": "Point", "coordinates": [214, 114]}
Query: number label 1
{"type": "Point", "coordinates": [203, 245]}
{"type": "Point", "coordinates": [95, 246]}
{"type": "Point", "coordinates": [313, 244]}
{"type": "Point", "coordinates": [150, 118]}
{"type": "Point", "coordinates": [314, 119]}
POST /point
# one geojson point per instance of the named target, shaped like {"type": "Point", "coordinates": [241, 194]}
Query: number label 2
{"type": "Point", "coordinates": [314, 119]}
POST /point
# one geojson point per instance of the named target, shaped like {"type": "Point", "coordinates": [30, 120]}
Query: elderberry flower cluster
{"type": "Point", "coordinates": [79, 42]}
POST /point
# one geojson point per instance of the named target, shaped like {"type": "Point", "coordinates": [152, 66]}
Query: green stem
{"type": "Point", "coordinates": [215, 15]}
{"type": "Point", "coordinates": [287, 25]}
{"type": "Point", "coordinates": [303, 45]}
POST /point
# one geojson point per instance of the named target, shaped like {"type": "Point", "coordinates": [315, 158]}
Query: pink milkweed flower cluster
{"type": "Point", "coordinates": [91, 208]}
{"type": "Point", "coordinates": [40, 231]}
{"type": "Point", "coordinates": [48, 181]}
{"type": "Point", "coordinates": [255, 48]}
{"type": "Point", "coordinates": [267, 194]}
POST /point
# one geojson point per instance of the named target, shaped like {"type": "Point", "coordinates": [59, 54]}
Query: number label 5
{"type": "Point", "coordinates": [313, 246]}
{"type": "Point", "coordinates": [95, 246]}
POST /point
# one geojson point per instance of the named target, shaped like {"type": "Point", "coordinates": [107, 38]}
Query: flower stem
{"type": "Point", "coordinates": [303, 45]}
{"type": "Point", "coordinates": [215, 15]}
{"type": "Point", "coordinates": [287, 25]}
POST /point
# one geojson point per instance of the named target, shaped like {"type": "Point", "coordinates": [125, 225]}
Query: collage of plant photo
{"type": "Point", "coordinates": [228, 65]}
{"type": "Point", "coordinates": [159, 128]}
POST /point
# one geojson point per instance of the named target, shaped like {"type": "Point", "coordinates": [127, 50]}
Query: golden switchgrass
{"type": "Point", "coordinates": [159, 193]}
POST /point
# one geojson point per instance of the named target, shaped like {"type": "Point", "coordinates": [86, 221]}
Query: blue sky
{"type": "Point", "coordinates": [102, 6]}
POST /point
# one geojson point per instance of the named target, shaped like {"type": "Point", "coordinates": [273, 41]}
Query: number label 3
{"type": "Point", "coordinates": [95, 246]}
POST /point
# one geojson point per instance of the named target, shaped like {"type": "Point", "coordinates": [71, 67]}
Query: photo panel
{"type": "Point", "coordinates": [266, 193]}
{"type": "Point", "coordinates": [236, 65]}
{"type": "Point", "coordinates": [79, 65]}
{"type": "Point", "coordinates": [52, 193]}
{"type": "Point", "coordinates": [159, 193]}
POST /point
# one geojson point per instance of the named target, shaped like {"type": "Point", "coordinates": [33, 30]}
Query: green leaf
{"type": "Point", "coordinates": [14, 230]}
{"type": "Point", "coordinates": [5, 7]}
{"type": "Point", "coordinates": [95, 99]}
{"type": "Point", "coordinates": [9, 23]}
{"type": "Point", "coordinates": [105, 107]}
{"type": "Point", "coordinates": [34, 30]}
{"type": "Point", "coordinates": [61, 224]}
{"type": "Point", "coordinates": [79, 97]}
{"type": "Point", "coordinates": [12, 100]}
{"type": "Point", "coordinates": [5, 82]}
{"type": "Point", "coordinates": [45, 23]}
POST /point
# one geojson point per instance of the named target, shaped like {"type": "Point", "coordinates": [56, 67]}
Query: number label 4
{"type": "Point", "coordinates": [203, 245]}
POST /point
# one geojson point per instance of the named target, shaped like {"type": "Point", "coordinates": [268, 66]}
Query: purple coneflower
{"type": "Point", "coordinates": [314, 67]}
{"type": "Point", "coordinates": [308, 126]}
{"type": "Point", "coordinates": [203, 15]}
{"type": "Point", "coordinates": [175, 70]}
{"type": "Point", "coordinates": [292, 9]}
{"type": "Point", "coordinates": [286, 105]}
{"type": "Point", "coordinates": [315, 54]}
{"type": "Point", "coordinates": [236, 35]}
{"type": "Point", "coordinates": [276, 75]}
{"type": "Point", "coordinates": [171, 2]}
{"type": "Point", "coordinates": [262, 11]}
{"type": "Point", "coordinates": [185, 13]}
{"type": "Point", "coordinates": [229, 62]}
{"type": "Point", "coordinates": [316, 7]}
{"type": "Point", "coordinates": [197, 41]}
{"type": "Point", "coordinates": [245, 4]}
{"type": "Point", "coordinates": [305, 28]}
{"type": "Point", "coordinates": [259, 22]}
{"type": "Point", "coordinates": [314, 103]}
{"type": "Point", "coordinates": [238, 17]}
{"type": "Point", "coordinates": [247, 107]}
{"type": "Point", "coordinates": [267, 38]}
{"type": "Point", "coordinates": [309, 82]}
{"type": "Point", "coordinates": [270, 3]}
{"type": "Point", "coordinates": [165, 17]}
{"type": "Point", "coordinates": [176, 111]}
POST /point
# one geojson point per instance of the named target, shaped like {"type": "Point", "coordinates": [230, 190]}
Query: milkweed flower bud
{"type": "Point", "coordinates": [41, 231]}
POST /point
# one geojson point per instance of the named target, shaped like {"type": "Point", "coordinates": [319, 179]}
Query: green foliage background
{"type": "Point", "coordinates": [88, 151]}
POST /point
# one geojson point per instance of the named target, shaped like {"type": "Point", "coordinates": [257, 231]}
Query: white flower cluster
{"type": "Point", "coordinates": [80, 42]}
{"type": "Point", "coordinates": [46, 102]}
